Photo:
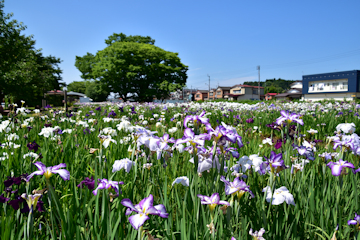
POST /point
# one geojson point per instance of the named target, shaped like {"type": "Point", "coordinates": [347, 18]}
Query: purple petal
{"type": "Point", "coordinates": [40, 166]}
{"type": "Point", "coordinates": [61, 165]}
{"type": "Point", "coordinates": [64, 174]}
{"type": "Point", "coordinates": [138, 220]}
{"type": "Point", "coordinates": [161, 211]}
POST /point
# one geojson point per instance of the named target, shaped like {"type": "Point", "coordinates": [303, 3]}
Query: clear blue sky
{"type": "Point", "coordinates": [225, 39]}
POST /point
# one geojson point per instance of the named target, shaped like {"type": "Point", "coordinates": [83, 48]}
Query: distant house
{"type": "Point", "coordinates": [201, 95]}
{"type": "Point", "coordinates": [295, 91]}
{"type": "Point", "coordinates": [211, 94]}
{"type": "Point", "coordinates": [222, 92]}
{"type": "Point", "coordinates": [334, 85]}
{"type": "Point", "coordinates": [245, 92]}
{"type": "Point", "coordinates": [270, 96]}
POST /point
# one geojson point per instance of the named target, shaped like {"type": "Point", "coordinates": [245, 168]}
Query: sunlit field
{"type": "Point", "coordinates": [215, 170]}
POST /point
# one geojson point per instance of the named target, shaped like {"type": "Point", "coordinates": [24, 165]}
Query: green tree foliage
{"type": "Point", "coordinates": [134, 68]}
{"type": "Point", "coordinates": [96, 91]}
{"type": "Point", "coordinates": [79, 87]}
{"type": "Point", "coordinates": [273, 85]}
{"type": "Point", "coordinates": [24, 72]}
{"type": "Point", "coordinates": [123, 38]}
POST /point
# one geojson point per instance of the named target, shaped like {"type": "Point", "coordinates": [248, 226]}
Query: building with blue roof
{"type": "Point", "coordinates": [334, 85]}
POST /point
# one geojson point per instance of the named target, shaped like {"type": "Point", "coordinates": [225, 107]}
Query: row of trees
{"type": "Point", "coordinates": [273, 85]}
{"type": "Point", "coordinates": [25, 74]}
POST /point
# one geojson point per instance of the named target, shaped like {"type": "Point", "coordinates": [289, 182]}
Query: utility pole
{"type": "Point", "coordinates": [258, 68]}
{"type": "Point", "coordinates": [209, 87]}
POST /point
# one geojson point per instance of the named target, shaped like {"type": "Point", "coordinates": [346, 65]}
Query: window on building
{"type": "Point", "coordinates": [197, 95]}
{"type": "Point", "coordinates": [255, 91]}
{"type": "Point", "coordinates": [345, 85]}
{"type": "Point", "coordinates": [334, 86]}
{"type": "Point", "coordinates": [237, 91]}
{"type": "Point", "coordinates": [218, 92]}
{"type": "Point", "coordinates": [211, 94]}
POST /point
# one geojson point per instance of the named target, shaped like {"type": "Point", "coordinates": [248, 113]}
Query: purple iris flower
{"type": "Point", "coordinates": [86, 131]}
{"type": "Point", "coordinates": [33, 146]}
{"type": "Point", "coordinates": [212, 201]}
{"type": "Point", "coordinates": [112, 113]}
{"type": "Point", "coordinates": [90, 183]}
{"type": "Point", "coordinates": [164, 140]}
{"type": "Point", "coordinates": [29, 128]}
{"type": "Point", "coordinates": [48, 124]}
{"type": "Point", "coordinates": [250, 120]}
{"type": "Point", "coordinates": [273, 126]}
{"type": "Point", "coordinates": [236, 186]}
{"type": "Point", "coordinates": [197, 119]}
{"type": "Point", "coordinates": [12, 180]}
{"type": "Point", "coordinates": [355, 221]}
{"type": "Point", "coordinates": [337, 167]}
{"type": "Point", "coordinates": [48, 106]}
{"type": "Point", "coordinates": [48, 171]}
{"type": "Point", "coordinates": [69, 115]}
{"type": "Point", "coordinates": [189, 136]}
{"type": "Point", "coordinates": [106, 184]}
{"type": "Point", "coordinates": [278, 144]}
{"type": "Point", "coordinates": [304, 151]}
{"type": "Point", "coordinates": [348, 143]}
{"type": "Point", "coordinates": [3, 199]}
{"type": "Point", "coordinates": [15, 203]}
{"type": "Point", "coordinates": [290, 117]}
{"type": "Point", "coordinates": [143, 209]}
{"type": "Point", "coordinates": [275, 161]}
{"type": "Point", "coordinates": [98, 108]}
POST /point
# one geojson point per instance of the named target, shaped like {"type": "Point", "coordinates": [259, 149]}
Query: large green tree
{"type": "Point", "coordinates": [133, 67]}
{"type": "Point", "coordinates": [77, 86]}
{"type": "Point", "coordinates": [24, 72]}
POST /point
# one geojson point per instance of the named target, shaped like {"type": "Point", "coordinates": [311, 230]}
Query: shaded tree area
{"type": "Point", "coordinates": [273, 85]}
{"type": "Point", "coordinates": [25, 74]}
{"type": "Point", "coordinates": [133, 67]}
{"type": "Point", "coordinates": [92, 89]}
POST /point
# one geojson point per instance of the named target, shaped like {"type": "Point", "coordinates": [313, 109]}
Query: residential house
{"type": "Point", "coordinates": [295, 91]}
{"type": "Point", "coordinates": [245, 92]}
{"type": "Point", "coordinates": [270, 96]}
{"type": "Point", "coordinates": [222, 92]}
{"type": "Point", "coordinates": [334, 85]}
{"type": "Point", "coordinates": [211, 94]}
{"type": "Point", "coordinates": [201, 95]}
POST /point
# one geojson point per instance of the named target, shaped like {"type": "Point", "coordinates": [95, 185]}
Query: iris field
{"type": "Point", "coordinates": [215, 170]}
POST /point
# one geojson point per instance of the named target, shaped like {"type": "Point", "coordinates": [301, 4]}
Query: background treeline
{"type": "Point", "coordinates": [273, 85]}
{"type": "Point", "coordinates": [92, 89]}
{"type": "Point", "coordinates": [25, 73]}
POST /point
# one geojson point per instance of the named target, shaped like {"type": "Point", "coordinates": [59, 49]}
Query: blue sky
{"type": "Point", "coordinates": [225, 39]}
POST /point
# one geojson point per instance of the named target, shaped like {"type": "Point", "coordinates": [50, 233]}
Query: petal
{"type": "Point", "coordinates": [34, 173]}
{"type": "Point", "coordinates": [61, 165]}
{"type": "Point", "coordinates": [138, 220]}
{"type": "Point", "coordinates": [289, 198]}
{"type": "Point", "coordinates": [127, 203]}
{"type": "Point", "coordinates": [336, 170]}
{"type": "Point", "coordinates": [215, 198]}
{"type": "Point", "coordinates": [224, 202]}
{"type": "Point", "coordinates": [146, 203]}
{"type": "Point", "coordinates": [161, 210]}
{"type": "Point", "coordinates": [40, 166]}
{"type": "Point", "coordinates": [64, 174]}
{"type": "Point", "coordinates": [352, 222]}
{"type": "Point", "coordinates": [277, 199]}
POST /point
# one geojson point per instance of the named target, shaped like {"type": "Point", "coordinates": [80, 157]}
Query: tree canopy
{"type": "Point", "coordinates": [134, 68]}
{"type": "Point", "coordinates": [92, 89]}
{"type": "Point", "coordinates": [24, 72]}
{"type": "Point", "coordinates": [273, 85]}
